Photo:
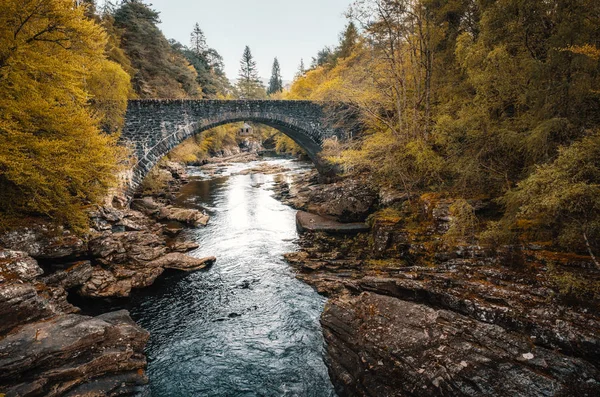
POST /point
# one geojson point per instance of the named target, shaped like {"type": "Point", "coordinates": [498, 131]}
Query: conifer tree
{"type": "Point", "coordinates": [348, 41]}
{"type": "Point", "coordinates": [275, 84]}
{"type": "Point", "coordinates": [301, 69]}
{"type": "Point", "coordinates": [198, 41]}
{"type": "Point", "coordinates": [249, 85]}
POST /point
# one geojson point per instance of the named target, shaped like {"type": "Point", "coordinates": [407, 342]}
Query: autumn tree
{"type": "Point", "coordinates": [249, 85]}
{"type": "Point", "coordinates": [55, 86]}
{"type": "Point", "coordinates": [564, 196]}
{"type": "Point", "coordinates": [275, 84]}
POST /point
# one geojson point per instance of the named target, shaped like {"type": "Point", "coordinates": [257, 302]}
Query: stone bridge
{"type": "Point", "coordinates": [154, 127]}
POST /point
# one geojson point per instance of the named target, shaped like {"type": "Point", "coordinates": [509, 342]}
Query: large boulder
{"type": "Point", "coordinates": [349, 200]}
{"type": "Point", "coordinates": [382, 346]}
{"type": "Point", "coordinates": [74, 352]}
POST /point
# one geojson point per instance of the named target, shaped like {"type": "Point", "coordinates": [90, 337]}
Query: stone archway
{"type": "Point", "coordinates": [154, 127]}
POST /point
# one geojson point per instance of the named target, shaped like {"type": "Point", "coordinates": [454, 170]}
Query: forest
{"type": "Point", "coordinates": [471, 99]}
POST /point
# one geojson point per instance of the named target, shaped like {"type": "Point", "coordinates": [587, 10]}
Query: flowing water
{"type": "Point", "coordinates": [246, 326]}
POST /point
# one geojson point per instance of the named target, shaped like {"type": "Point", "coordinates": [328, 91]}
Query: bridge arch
{"type": "Point", "coordinates": [154, 127]}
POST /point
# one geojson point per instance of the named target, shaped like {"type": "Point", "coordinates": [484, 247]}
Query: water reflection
{"type": "Point", "coordinates": [246, 327]}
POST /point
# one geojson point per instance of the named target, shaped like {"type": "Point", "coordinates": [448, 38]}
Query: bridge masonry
{"type": "Point", "coordinates": [154, 127]}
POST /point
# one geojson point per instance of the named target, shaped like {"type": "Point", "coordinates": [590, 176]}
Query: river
{"type": "Point", "coordinates": [246, 326]}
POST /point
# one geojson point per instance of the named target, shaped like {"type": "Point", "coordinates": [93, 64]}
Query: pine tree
{"type": "Point", "coordinates": [348, 40]}
{"type": "Point", "coordinates": [275, 84]}
{"type": "Point", "coordinates": [198, 41]}
{"type": "Point", "coordinates": [249, 84]}
{"type": "Point", "coordinates": [301, 69]}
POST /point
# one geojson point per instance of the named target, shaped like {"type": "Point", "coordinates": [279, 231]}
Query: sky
{"type": "Point", "coordinates": [286, 29]}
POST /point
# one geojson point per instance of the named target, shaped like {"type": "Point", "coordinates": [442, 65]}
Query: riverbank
{"type": "Point", "coordinates": [46, 346]}
{"type": "Point", "coordinates": [412, 312]}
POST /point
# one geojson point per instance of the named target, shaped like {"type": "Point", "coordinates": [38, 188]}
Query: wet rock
{"type": "Point", "coordinates": [381, 346]}
{"type": "Point", "coordinates": [146, 205]}
{"type": "Point", "coordinates": [73, 352]}
{"type": "Point", "coordinates": [306, 222]}
{"type": "Point", "coordinates": [184, 262]}
{"type": "Point", "coordinates": [132, 248]}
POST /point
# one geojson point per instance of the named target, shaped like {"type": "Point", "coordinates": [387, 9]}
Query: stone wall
{"type": "Point", "coordinates": [155, 127]}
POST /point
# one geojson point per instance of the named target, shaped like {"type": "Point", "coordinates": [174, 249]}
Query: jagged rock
{"type": "Point", "coordinates": [150, 207]}
{"type": "Point", "coordinates": [20, 303]}
{"type": "Point", "coordinates": [348, 200]}
{"type": "Point", "coordinates": [381, 346]}
{"type": "Point", "coordinates": [184, 262]}
{"type": "Point", "coordinates": [76, 274]}
{"type": "Point", "coordinates": [73, 352]}
{"type": "Point", "coordinates": [118, 282]}
{"type": "Point", "coordinates": [15, 264]}
{"type": "Point", "coordinates": [131, 248]}
{"type": "Point", "coordinates": [42, 241]}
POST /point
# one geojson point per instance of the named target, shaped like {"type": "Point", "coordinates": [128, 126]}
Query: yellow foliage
{"type": "Point", "coordinates": [54, 161]}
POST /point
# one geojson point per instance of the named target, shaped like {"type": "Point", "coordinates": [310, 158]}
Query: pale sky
{"type": "Point", "coordinates": [286, 29]}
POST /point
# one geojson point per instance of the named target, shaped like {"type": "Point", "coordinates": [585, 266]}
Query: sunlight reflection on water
{"type": "Point", "coordinates": [245, 327]}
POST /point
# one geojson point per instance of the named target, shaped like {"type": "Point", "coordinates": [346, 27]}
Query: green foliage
{"type": "Point", "coordinates": [54, 160]}
{"type": "Point", "coordinates": [208, 64]}
{"type": "Point", "coordinates": [571, 285]}
{"type": "Point", "coordinates": [463, 223]}
{"type": "Point", "coordinates": [564, 196]}
{"type": "Point", "coordinates": [348, 41]}
{"type": "Point", "coordinates": [249, 85]}
{"type": "Point", "coordinates": [156, 182]}
{"type": "Point", "coordinates": [275, 84]}
{"type": "Point", "coordinates": [159, 71]}
{"type": "Point", "coordinates": [285, 145]}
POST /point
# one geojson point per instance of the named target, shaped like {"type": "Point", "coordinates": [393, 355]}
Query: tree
{"type": "Point", "coordinates": [275, 84]}
{"type": "Point", "coordinates": [564, 196]}
{"type": "Point", "coordinates": [301, 69]}
{"type": "Point", "coordinates": [54, 160]}
{"type": "Point", "coordinates": [249, 84]}
{"type": "Point", "coordinates": [198, 41]}
{"type": "Point", "coordinates": [324, 57]}
{"type": "Point", "coordinates": [160, 72]}
{"type": "Point", "coordinates": [348, 40]}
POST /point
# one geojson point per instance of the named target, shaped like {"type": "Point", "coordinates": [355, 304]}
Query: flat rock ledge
{"type": "Point", "coordinates": [307, 222]}
{"type": "Point", "coordinates": [48, 349]}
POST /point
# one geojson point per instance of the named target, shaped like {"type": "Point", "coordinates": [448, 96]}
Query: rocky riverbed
{"type": "Point", "coordinates": [410, 310]}
{"type": "Point", "coordinates": [46, 347]}
{"type": "Point", "coordinates": [412, 313]}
